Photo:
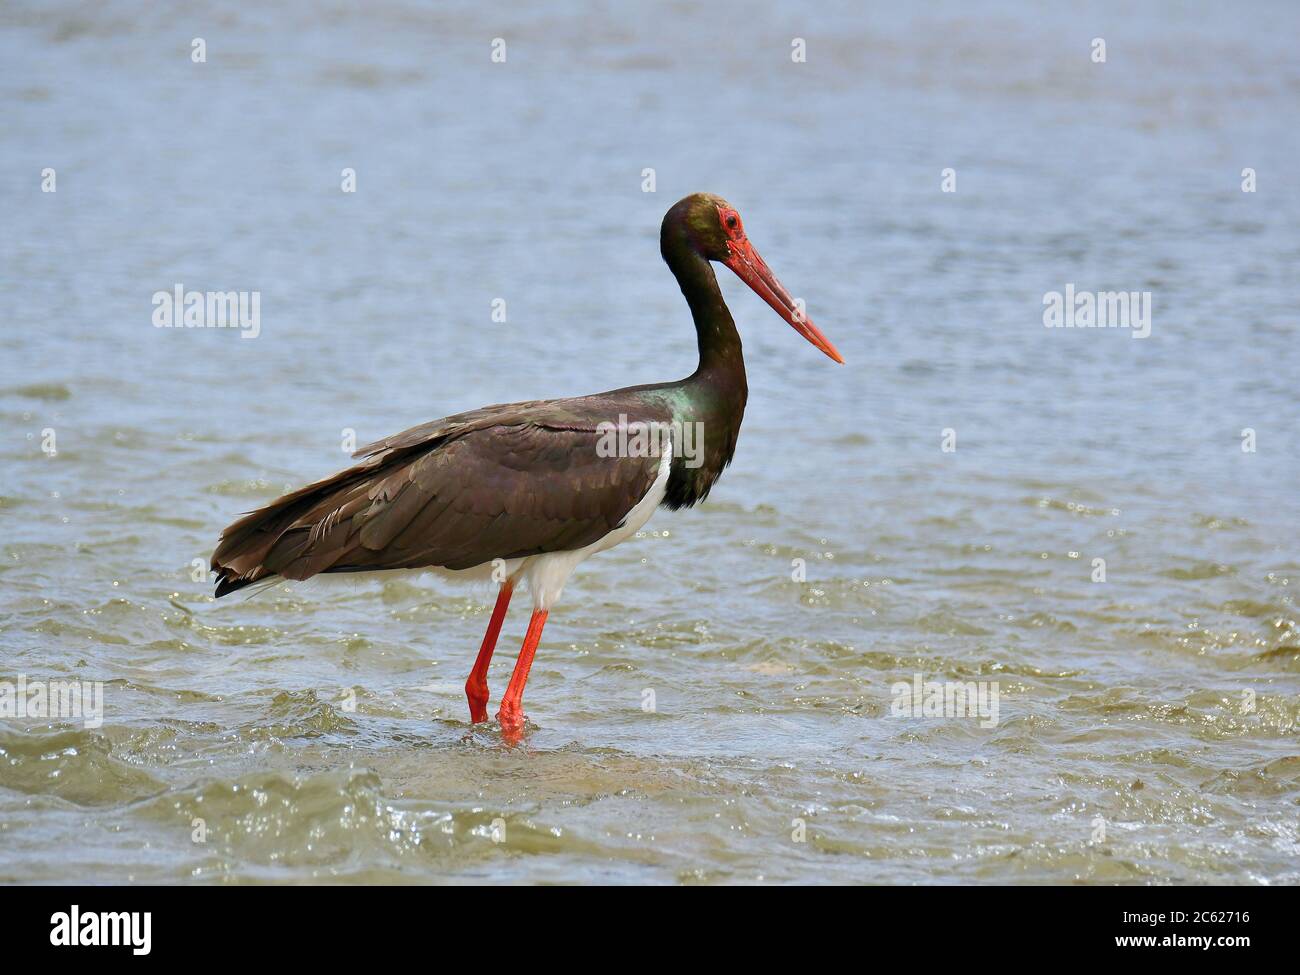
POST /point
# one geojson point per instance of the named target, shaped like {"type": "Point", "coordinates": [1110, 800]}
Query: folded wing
{"type": "Point", "coordinates": [502, 482]}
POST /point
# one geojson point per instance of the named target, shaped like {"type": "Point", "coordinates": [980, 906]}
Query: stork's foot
{"type": "Point", "coordinates": [512, 724]}
{"type": "Point", "coordinates": [477, 693]}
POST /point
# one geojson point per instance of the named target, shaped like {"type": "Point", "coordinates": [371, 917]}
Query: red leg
{"type": "Point", "coordinates": [476, 688]}
{"type": "Point", "coordinates": [511, 714]}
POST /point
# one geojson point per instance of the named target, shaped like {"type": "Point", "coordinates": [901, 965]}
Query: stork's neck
{"type": "Point", "coordinates": [719, 342]}
{"type": "Point", "coordinates": [714, 395]}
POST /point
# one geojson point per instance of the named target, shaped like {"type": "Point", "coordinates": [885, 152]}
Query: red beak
{"type": "Point", "coordinates": [753, 270]}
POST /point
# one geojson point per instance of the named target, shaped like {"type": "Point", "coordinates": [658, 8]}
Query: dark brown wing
{"type": "Point", "coordinates": [501, 482]}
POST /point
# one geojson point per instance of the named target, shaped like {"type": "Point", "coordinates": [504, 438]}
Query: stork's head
{"type": "Point", "coordinates": [713, 229]}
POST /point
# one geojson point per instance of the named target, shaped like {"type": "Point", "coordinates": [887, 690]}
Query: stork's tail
{"type": "Point", "coordinates": [228, 581]}
{"type": "Point", "coordinates": [291, 537]}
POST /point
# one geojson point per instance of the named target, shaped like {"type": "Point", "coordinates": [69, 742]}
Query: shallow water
{"type": "Point", "coordinates": [1147, 726]}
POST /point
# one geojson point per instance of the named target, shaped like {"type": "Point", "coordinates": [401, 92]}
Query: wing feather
{"type": "Point", "coordinates": [502, 482]}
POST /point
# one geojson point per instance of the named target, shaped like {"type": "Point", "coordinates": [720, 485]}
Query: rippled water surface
{"type": "Point", "coordinates": [1147, 730]}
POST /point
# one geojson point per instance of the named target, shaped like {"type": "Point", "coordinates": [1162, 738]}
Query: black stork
{"type": "Point", "coordinates": [532, 489]}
